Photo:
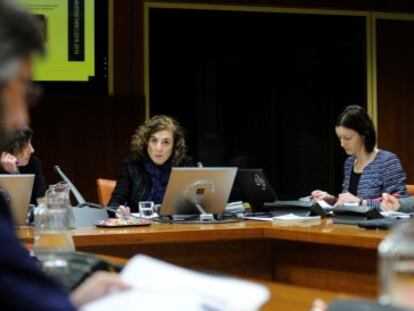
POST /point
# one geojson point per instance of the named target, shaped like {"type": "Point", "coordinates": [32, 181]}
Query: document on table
{"type": "Point", "coordinates": [394, 214]}
{"type": "Point", "coordinates": [287, 217]}
{"type": "Point", "coordinates": [328, 206]}
{"type": "Point", "coordinates": [161, 286]}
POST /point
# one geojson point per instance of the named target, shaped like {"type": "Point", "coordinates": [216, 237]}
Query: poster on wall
{"type": "Point", "coordinates": [69, 29]}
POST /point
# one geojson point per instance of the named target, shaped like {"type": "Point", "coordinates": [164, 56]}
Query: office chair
{"type": "Point", "coordinates": [105, 189]}
{"type": "Point", "coordinates": [410, 190]}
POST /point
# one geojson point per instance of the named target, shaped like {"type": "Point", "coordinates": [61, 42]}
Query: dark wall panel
{"type": "Point", "coordinates": [260, 89]}
{"type": "Point", "coordinates": [395, 79]}
{"type": "Point", "coordinates": [88, 135]}
{"type": "Point", "coordinates": [377, 5]}
{"type": "Point", "coordinates": [69, 127]}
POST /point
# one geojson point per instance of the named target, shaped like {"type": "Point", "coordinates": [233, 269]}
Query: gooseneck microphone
{"type": "Point", "coordinates": [81, 200]}
{"type": "Point", "coordinates": [76, 193]}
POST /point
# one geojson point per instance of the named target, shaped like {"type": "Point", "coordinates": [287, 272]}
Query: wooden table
{"type": "Point", "coordinates": [293, 298]}
{"type": "Point", "coordinates": [316, 254]}
{"type": "Point", "coordinates": [282, 297]}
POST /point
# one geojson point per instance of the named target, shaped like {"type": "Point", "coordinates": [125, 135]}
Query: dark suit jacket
{"type": "Point", "coordinates": [134, 183]}
{"type": "Point", "coordinates": [39, 187]}
{"type": "Point", "coordinates": [23, 286]}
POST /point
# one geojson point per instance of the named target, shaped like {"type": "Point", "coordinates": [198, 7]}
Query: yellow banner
{"type": "Point", "coordinates": [69, 27]}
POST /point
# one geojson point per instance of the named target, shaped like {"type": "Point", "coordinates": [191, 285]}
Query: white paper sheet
{"type": "Point", "coordinates": [287, 217]}
{"type": "Point", "coordinates": [161, 286]}
{"type": "Point", "coordinates": [323, 204]}
{"type": "Point", "coordinates": [394, 214]}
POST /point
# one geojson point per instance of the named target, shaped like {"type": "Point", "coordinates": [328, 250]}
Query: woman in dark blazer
{"type": "Point", "coordinates": [156, 147]}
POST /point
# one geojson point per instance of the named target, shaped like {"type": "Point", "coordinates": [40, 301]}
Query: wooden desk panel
{"type": "Point", "coordinates": [158, 233]}
{"type": "Point", "coordinates": [325, 232]}
{"type": "Point", "coordinates": [326, 256]}
{"type": "Point", "coordinates": [317, 255]}
{"type": "Point", "coordinates": [282, 297]}
{"type": "Point", "coordinates": [346, 269]}
{"type": "Point", "coordinates": [246, 259]}
{"type": "Point", "coordinates": [293, 298]}
{"type": "Point", "coordinates": [319, 232]}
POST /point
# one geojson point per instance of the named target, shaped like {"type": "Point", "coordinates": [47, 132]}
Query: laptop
{"type": "Point", "coordinates": [253, 186]}
{"type": "Point", "coordinates": [190, 189]}
{"type": "Point", "coordinates": [19, 189]}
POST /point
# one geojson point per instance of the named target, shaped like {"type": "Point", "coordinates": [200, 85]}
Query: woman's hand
{"type": "Point", "coordinates": [122, 211]}
{"type": "Point", "coordinates": [319, 195]}
{"type": "Point", "coordinates": [9, 163]}
{"type": "Point", "coordinates": [346, 197]}
{"type": "Point", "coordinates": [389, 203]}
{"type": "Point", "coordinates": [98, 285]}
{"type": "Point", "coordinates": [319, 305]}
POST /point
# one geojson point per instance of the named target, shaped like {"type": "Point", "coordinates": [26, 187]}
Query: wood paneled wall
{"type": "Point", "coordinates": [395, 80]}
{"type": "Point", "coordinates": [89, 135]}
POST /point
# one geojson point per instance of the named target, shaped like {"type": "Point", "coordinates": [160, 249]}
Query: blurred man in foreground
{"type": "Point", "coordinates": [23, 286]}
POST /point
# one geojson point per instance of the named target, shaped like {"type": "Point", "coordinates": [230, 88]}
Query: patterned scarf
{"type": "Point", "coordinates": [159, 177]}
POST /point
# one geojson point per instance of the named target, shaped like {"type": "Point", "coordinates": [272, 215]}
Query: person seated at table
{"type": "Point", "coordinates": [23, 285]}
{"type": "Point", "coordinates": [18, 158]}
{"type": "Point", "coordinates": [156, 147]}
{"type": "Point", "coordinates": [368, 171]}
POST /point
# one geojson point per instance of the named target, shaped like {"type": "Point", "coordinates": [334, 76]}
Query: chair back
{"type": "Point", "coordinates": [105, 189]}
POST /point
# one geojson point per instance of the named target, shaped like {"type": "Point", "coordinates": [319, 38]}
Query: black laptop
{"type": "Point", "coordinates": [252, 185]}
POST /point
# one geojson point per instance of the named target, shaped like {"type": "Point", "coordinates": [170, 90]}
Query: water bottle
{"type": "Point", "coordinates": [53, 239]}
{"type": "Point", "coordinates": [396, 254]}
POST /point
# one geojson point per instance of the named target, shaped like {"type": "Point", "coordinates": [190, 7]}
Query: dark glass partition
{"type": "Point", "coordinates": [258, 89]}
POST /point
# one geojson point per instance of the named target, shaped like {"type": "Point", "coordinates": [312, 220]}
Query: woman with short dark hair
{"type": "Point", "coordinates": [157, 146]}
{"type": "Point", "coordinates": [368, 171]}
{"type": "Point", "coordinates": [18, 158]}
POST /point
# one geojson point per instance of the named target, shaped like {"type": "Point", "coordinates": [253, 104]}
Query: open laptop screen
{"type": "Point", "coordinates": [19, 188]}
{"type": "Point", "coordinates": [252, 185]}
{"type": "Point", "coordinates": [209, 187]}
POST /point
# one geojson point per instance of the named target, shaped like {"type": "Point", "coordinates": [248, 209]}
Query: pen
{"type": "Point", "coordinates": [120, 212]}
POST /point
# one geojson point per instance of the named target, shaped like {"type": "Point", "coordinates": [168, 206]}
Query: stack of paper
{"type": "Point", "coordinates": [328, 206]}
{"type": "Point", "coordinates": [162, 286]}
{"type": "Point", "coordinates": [286, 217]}
{"type": "Point", "coordinates": [394, 214]}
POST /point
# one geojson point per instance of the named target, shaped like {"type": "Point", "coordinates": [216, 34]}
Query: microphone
{"type": "Point", "coordinates": [76, 193]}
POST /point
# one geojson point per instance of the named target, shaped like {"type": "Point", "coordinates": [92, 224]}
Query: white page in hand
{"type": "Point", "coordinates": [162, 286]}
{"type": "Point", "coordinates": [323, 204]}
